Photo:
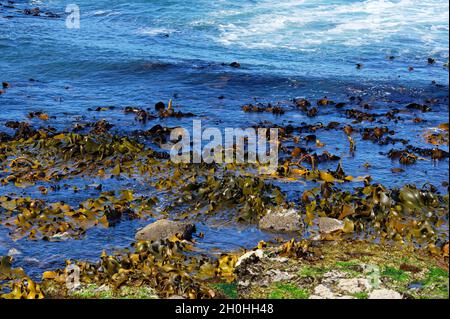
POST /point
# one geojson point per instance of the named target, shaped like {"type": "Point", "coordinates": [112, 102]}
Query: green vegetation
{"type": "Point", "coordinates": [288, 291]}
{"type": "Point", "coordinates": [229, 290]}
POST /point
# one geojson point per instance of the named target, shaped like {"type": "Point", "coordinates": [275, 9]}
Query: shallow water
{"type": "Point", "coordinates": [140, 52]}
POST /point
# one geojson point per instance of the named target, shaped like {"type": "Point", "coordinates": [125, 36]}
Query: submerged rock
{"type": "Point", "coordinates": [164, 229]}
{"type": "Point", "coordinates": [281, 219]}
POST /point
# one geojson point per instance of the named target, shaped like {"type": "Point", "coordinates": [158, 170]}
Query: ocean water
{"type": "Point", "coordinates": [136, 53]}
{"type": "Point", "coordinates": [140, 52]}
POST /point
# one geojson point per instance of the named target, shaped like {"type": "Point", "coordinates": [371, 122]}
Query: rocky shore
{"type": "Point", "coordinates": [352, 237]}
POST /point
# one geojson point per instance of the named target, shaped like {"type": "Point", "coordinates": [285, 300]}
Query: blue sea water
{"type": "Point", "coordinates": [140, 52]}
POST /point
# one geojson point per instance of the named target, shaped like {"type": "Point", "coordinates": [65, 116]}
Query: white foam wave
{"type": "Point", "coordinates": [305, 24]}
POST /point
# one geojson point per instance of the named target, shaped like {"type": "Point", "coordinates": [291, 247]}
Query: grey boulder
{"type": "Point", "coordinates": [281, 220]}
{"type": "Point", "coordinates": [165, 229]}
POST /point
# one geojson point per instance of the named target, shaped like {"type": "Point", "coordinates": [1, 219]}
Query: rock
{"type": "Point", "coordinates": [235, 64]}
{"type": "Point", "coordinates": [276, 275]}
{"type": "Point", "coordinates": [302, 103]}
{"type": "Point", "coordinates": [281, 260]}
{"type": "Point", "coordinates": [250, 256]}
{"type": "Point", "coordinates": [34, 12]}
{"type": "Point", "coordinates": [164, 229]}
{"type": "Point", "coordinates": [6, 85]}
{"type": "Point", "coordinates": [332, 277]}
{"type": "Point", "coordinates": [353, 285]}
{"type": "Point", "coordinates": [384, 294]}
{"type": "Point", "coordinates": [23, 130]}
{"type": "Point", "coordinates": [328, 225]}
{"type": "Point", "coordinates": [281, 219]}
{"type": "Point", "coordinates": [322, 292]}
{"type": "Point", "coordinates": [160, 106]}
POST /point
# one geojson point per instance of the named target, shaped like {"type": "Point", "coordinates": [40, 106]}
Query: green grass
{"type": "Point", "coordinates": [361, 295]}
{"type": "Point", "coordinates": [313, 272]}
{"type": "Point", "coordinates": [92, 291]}
{"type": "Point", "coordinates": [395, 274]}
{"type": "Point", "coordinates": [288, 291]}
{"type": "Point", "coordinates": [229, 290]}
{"type": "Point", "coordinates": [349, 267]}
{"type": "Point", "coordinates": [437, 279]}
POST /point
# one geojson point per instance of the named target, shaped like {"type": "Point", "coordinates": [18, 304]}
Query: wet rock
{"type": "Point", "coordinates": [302, 103]}
{"type": "Point", "coordinates": [23, 130]}
{"type": "Point", "coordinates": [160, 106]}
{"type": "Point", "coordinates": [235, 64]}
{"type": "Point", "coordinates": [431, 61]}
{"type": "Point", "coordinates": [421, 107]}
{"type": "Point", "coordinates": [52, 15]}
{"type": "Point", "coordinates": [140, 114]}
{"type": "Point", "coordinates": [281, 219]}
{"type": "Point", "coordinates": [324, 101]}
{"type": "Point", "coordinates": [164, 229]}
{"type": "Point", "coordinates": [384, 294]}
{"type": "Point", "coordinates": [329, 225]}
{"type": "Point", "coordinates": [359, 66]}
{"type": "Point", "coordinates": [6, 85]}
{"type": "Point", "coordinates": [312, 112]}
{"type": "Point", "coordinates": [348, 129]}
{"type": "Point", "coordinates": [34, 12]}
{"type": "Point", "coordinates": [403, 156]}
{"type": "Point", "coordinates": [360, 116]}
{"type": "Point", "coordinates": [263, 108]}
